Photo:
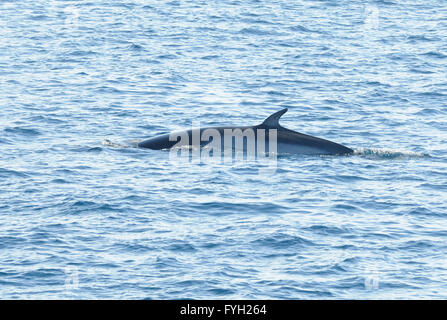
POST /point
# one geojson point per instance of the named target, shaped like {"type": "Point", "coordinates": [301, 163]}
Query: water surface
{"type": "Point", "coordinates": [84, 214]}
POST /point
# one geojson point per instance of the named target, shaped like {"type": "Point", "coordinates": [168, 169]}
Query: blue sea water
{"type": "Point", "coordinates": [84, 214]}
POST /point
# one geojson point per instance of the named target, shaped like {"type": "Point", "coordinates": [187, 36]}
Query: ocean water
{"type": "Point", "coordinates": [85, 214]}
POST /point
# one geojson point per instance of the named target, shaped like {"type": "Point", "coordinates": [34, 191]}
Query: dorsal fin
{"type": "Point", "coordinates": [273, 120]}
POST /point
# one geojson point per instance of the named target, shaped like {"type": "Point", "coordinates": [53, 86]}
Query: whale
{"type": "Point", "coordinates": [286, 141]}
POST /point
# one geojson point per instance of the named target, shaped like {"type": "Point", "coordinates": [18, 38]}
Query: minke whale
{"type": "Point", "coordinates": [269, 134]}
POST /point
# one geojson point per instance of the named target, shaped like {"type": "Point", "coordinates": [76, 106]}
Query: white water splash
{"type": "Point", "coordinates": [388, 153]}
{"type": "Point", "coordinates": [109, 143]}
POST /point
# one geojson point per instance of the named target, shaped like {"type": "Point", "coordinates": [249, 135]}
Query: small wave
{"type": "Point", "coordinates": [135, 47]}
{"type": "Point", "coordinates": [166, 262]}
{"type": "Point", "coordinates": [283, 241]}
{"type": "Point", "coordinates": [82, 53]}
{"type": "Point", "coordinates": [301, 28]}
{"type": "Point", "coordinates": [429, 111]}
{"type": "Point", "coordinates": [59, 181]}
{"type": "Point", "coordinates": [414, 38]}
{"type": "Point", "coordinates": [388, 154]}
{"type": "Point", "coordinates": [39, 17]}
{"type": "Point", "coordinates": [326, 230]}
{"type": "Point", "coordinates": [5, 141]}
{"type": "Point", "coordinates": [415, 70]}
{"type": "Point", "coordinates": [86, 149]}
{"type": "Point", "coordinates": [181, 247]}
{"type": "Point", "coordinates": [5, 173]}
{"type": "Point", "coordinates": [435, 54]}
{"type": "Point", "coordinates": [22, 131]}
{"type": "Point", "coordinates": [257, 32]}
{"type": "Point", "coordinates": [221, 291]}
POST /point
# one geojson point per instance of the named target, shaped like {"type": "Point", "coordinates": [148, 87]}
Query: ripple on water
{"type": "Point", "coordinates": [220, 207]}
{"type": "Point", "coordinates": [22, 131]}
{"type": "Point", "coordinates": [282, 241]}
{"type": "Point", "coordinates": [6, 173]}
{"type": "Point", "coordinates": [327, 230]}
{"type": "Point", "coordinates": [435, 54]}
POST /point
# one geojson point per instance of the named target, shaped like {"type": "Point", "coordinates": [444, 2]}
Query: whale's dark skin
{"type": "Point", "coordinates": [288, 141]}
